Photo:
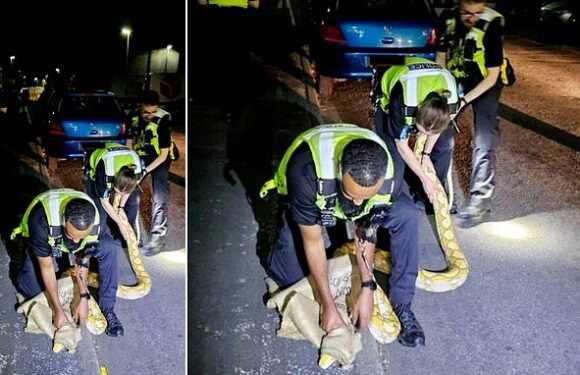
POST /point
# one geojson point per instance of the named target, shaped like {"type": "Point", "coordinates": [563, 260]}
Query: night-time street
{"type": "Point", "coordinates": [240, 85]}
{"type": "Point", "coordinates": [110, 51]}
{"type": "Point", "coordinates": [517, 311]}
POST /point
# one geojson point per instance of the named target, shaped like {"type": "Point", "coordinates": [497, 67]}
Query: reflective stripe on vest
{"type": "Point", "coordinates": [229, 3]}
{"type": "Point", "coordinates": [114, 157]}
{"type": "Point", "coordinates": [458, 60]}
{"type": "Point", "coordinates": [418, 77]}
{"type": "Point", "coordinates": [326, 143]}
{"type": "Point", "coordinates": [140, 145]}
{"type": "Point", "coordinates": [54, 202]}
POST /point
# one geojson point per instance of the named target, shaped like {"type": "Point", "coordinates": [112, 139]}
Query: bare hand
{"type": "Point", "coordinates": [362, 312]}
{"type": "Point", "coordinates": [330, 319]}
{"type": "Point", "coordinates": [59, 318]}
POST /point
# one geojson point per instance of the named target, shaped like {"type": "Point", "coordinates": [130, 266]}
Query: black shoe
{"type": "Point", "coordinates": [152, 251]}
{"type": "Point", "coordinates": [155, 246]}
{"type": "Point", "coordinates": [411, 333]}
{"type": "Point", "coordinates": [474, 213]}
{"type": "Point", "coordinates": [114, 326]}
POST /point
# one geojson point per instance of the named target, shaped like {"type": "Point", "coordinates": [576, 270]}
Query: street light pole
{"type": "Point", "coordinates": [127, 32]}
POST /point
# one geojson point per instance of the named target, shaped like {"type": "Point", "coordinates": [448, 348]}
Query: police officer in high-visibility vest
{"type": "Point", "coordinates": [418, 96]}
{"type": "Point", "coordinates": [62, 228]}
{"type": "Point", "coordinates": [231, 3]}
{"type": "Point", "coordinates": [470, 46]}
{"type": "Point", "coordinates": [152, 128]}
{"type": "Point", "coordinates": [343, 172]}
{"type": "Point", "coordinates": [114, 169]}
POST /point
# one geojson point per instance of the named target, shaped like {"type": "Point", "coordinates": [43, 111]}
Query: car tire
{"type": "Point", "coordinates": [325, 86]}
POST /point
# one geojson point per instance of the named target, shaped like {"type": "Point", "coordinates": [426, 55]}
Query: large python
{"type": "Point", "coordinates": [96, 322]}
{"type": "Point", "coordinates": [384, 325]}
{"type": "Point", "coordinates": [457, 267]}
{"type": "Point", "coordinates": [143, 286]}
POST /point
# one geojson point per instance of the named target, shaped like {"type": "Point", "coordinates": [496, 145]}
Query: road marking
{"type": "Point", "coordinates": [540, 127]}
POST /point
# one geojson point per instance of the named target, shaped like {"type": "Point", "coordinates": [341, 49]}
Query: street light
{"type": "Point", "coordinates": [167, 49]}
{"type": "Point", "coordinates": [127, 32]}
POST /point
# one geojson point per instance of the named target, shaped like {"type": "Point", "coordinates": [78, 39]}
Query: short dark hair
{"type": "Point", "coordinates": [149, 97]}
{"type": "Point", "coordinates": [365, 160]}
{"type": "Point", "coordinates": [126, 179]}
{"type": "Point", "coordinates": [80, 212]}
{"type": "Point", "coordinates": [433, 112]}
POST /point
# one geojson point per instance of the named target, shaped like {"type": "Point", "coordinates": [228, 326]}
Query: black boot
{"type": "Point", "coordinates": [154, 246]}
{"type": "Point", "coordinates": [411, 333]}
{"type": "Point", "coordinates": [114, 326]}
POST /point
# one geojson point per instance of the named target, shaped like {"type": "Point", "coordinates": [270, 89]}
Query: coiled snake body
{"type": "Point", "coordinates": [96, 322]}
{"type": "Point", "coordinates": [385, 326]}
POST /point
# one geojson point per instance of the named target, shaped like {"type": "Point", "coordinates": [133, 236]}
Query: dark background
{"type": "Point", "coordinates": [85, 36]}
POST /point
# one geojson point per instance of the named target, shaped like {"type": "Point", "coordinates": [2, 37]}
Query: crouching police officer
{"type": "Point", "coordinates": [66, 221]}
{"type": "Point", "coordinates": [115, 169]}
{"type": "Point", "coordinates": [419, 97]}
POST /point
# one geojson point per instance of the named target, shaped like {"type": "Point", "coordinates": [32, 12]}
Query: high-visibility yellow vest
{"type": "Point", "coordinates": [418, 77]}
{"type": "Point", "coordinates": [326, 144]}
{"type": "Point", "coordinates": [54, 202]}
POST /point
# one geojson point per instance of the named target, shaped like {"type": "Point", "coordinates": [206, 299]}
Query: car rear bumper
{"type": "Point", "coordinates": [70, 149]}
{"type": "Point", "coordinates": [340, 63]}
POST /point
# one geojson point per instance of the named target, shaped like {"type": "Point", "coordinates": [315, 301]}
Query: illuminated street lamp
{"type": "Point", "coordinates": [127, 32]}
{"type": "Point", "coordinates": [167, 49]}
{"type": "Point", "coordinates": [12, 58]}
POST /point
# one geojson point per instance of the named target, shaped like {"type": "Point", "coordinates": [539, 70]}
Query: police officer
{"type": "Point", "coordinates": [114, 169]}
{"type": "Point", "coordinates": [419, 96]}
{"type": "Point", "coordinates": [470, 46]}
{"type": "Point", "coordinates": [344, 172]}
{"type": "Point", "coordinates": [62, 226]}
{"type": "Point", "coordinates": [231, 3]}
{"type": "Point", "coordinates": [152, 128]}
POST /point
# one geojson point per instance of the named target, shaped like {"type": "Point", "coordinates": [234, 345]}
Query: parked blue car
{"type": "Point", "coordinates": [354, 35]}
{"type": "Point", "coordinates": [79, 120]}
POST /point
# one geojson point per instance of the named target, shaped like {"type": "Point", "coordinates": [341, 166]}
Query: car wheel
{"type": "Point", "coordinates": [52, 163]}
{"type": "Point", "coordinates": [325, 86]}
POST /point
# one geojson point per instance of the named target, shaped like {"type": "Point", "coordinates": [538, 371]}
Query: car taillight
{"type": "Point", "coordinates": [56, 129]}
{"type": "Point", "coordinates": [332, 34]}
{"type": "Point", "coordinates": [123, 128]}
{"type": "Point", "coordinates": [432, 37]}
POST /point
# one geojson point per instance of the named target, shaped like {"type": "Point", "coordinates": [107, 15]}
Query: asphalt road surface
{"type": "Point", "coordinates": [517, 313]}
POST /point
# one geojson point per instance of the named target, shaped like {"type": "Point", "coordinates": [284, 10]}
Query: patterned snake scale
{"type": "Point", "coordinates": [384, 325]}
{"type": "Point", "coordinates": [96, 322]}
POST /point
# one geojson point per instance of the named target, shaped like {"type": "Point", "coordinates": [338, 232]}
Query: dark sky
{"type": "Point", "coordinates": [85, 35]}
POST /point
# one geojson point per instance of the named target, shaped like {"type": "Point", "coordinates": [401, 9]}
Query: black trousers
{"type": "Point", "coordinates": [485, 142]}
{"type": "Point", "coordinates": [287, 259]}
{"type": "Point", "coordinates": [29, 282]}
{"type": "Point", "coordinates": [160, 199]}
